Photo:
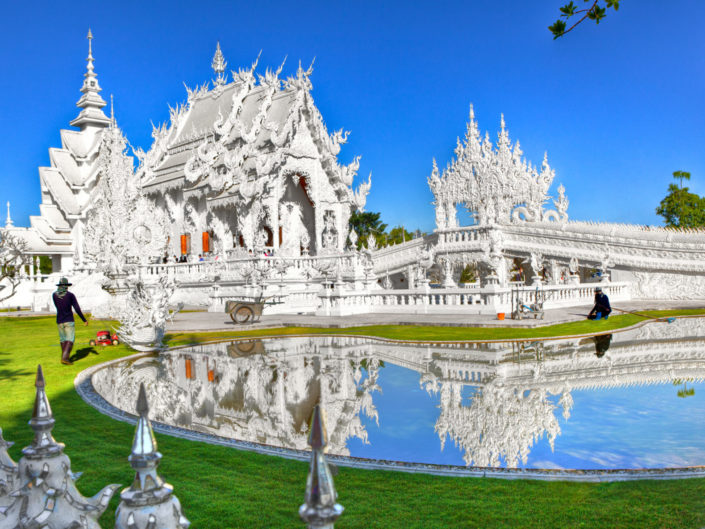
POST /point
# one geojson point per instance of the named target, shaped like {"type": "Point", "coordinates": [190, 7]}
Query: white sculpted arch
{"type": "Point", "coordinates": [296, 215]}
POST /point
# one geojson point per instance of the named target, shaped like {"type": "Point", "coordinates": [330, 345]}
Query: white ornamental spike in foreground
{"type": "Point", "coordinates": [319, 510]}
{"type": "Point", "coordinates": [149, 502]}
{"type": "Point", "coordinates": [47, 496]}
{"type": "Point", "coordinates": [8, 473]}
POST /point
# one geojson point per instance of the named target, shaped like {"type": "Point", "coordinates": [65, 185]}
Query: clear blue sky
{"type": "Point", "coordinates": [618, 106]}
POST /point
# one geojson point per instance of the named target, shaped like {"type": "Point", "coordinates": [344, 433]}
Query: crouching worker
{"type": "Point", "coordinates": [602, 307]}
{"type": "Point", "coordinates": [65, 302]}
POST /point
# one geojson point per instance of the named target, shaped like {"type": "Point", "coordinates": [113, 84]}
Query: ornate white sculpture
{"type": "Point", "coordinates": [124, 227]}
{"type": "Point", "coordinates": [329, 236]}
{"type": "Point", "coordinates": [145, 313]}
{"type": "Point", "coordinates": [371, 242]}
{"type": "Point", "coordinates": [494, 183]}
{"type": "Point", "coordinates": [46, 495]}
{"type": "Point", "coordinates": [9, 475]}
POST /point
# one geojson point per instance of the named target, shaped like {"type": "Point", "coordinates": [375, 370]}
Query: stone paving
{"type": "Point", "coordinates": [218, 321]}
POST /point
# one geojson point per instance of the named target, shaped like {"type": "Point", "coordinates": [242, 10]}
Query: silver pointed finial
{"type": "Point", "coordinates": [42, 422]}
{"type": "Point", "coordinates": [142, 404]}
{"type": "Point", "coordinates": [319, 511]}
{"type": "Point", "coordinates": [8, 220]}
{"type": "Point", "coordinates": [149, 502]}
{"type": "Point", "coordinates": [39, 380]}
{"type": "Point", "coordinates": [112, 110]}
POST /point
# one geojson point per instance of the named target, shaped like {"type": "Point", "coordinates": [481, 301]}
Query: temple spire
{"type": "Point", "coordinates": [90, 102]}
{"type": "Point", "coordinates": [8, 220]}
{"type": "Point", "coordinates": [219, 63]}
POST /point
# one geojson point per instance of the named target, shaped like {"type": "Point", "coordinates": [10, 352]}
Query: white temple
{"type": "Point", "coordinates": [244, 188]}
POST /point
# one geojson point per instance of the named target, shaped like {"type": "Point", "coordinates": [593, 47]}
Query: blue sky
{"type": "Point", "coordinates": [618, 106]}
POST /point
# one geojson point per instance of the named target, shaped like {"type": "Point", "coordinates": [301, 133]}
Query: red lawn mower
{"type": "Point", "coordinates": [104, 338]}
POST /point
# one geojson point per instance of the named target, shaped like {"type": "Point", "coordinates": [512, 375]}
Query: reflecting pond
{"type": "Point", "coordinates": [634, 399]}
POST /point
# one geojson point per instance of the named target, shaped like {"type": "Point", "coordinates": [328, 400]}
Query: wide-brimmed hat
{"type": "Point", "coordinates": [598, 289]}
{"type": "Point", "coordinates": [63, 282]}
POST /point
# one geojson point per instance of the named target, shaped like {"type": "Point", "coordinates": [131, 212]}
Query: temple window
{"type": "Point", "coordinates": [185, 244]}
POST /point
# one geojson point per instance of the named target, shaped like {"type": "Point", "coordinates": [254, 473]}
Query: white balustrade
{"type": "Point", "coordinates": [486, 300]}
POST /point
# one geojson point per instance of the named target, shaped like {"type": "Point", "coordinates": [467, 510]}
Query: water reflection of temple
{"type": "Point", "coordinates": [233, 390]}
{"type": "Point", "coordinates": [496, 399]}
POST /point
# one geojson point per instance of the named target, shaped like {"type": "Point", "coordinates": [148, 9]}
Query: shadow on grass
{"type": "Point", "coordinates": [12, 374]}
{"type": "Point", "coordinates": [80, 354]}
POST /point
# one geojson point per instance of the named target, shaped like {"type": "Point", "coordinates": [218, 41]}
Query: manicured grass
{"type": "Point", "coordinates": [221, 487]}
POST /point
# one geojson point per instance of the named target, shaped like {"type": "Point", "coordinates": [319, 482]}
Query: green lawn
{"type": "Point", "coordinates": [430, 333]}
{"type": "Point", "coordinates": [221, 487]}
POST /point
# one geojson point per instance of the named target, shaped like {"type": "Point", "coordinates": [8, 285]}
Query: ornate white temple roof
{"type": "Point", "coordinates": [243, 130]}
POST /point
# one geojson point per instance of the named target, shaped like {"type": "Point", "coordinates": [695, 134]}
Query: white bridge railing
{"type": "Point", "coordinates": [487, 300]}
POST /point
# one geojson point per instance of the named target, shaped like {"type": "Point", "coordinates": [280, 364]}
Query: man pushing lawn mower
{"type": "Point", "coordinates": [65, 303]}
{"type": "Point", "coordinates": [602, 307]}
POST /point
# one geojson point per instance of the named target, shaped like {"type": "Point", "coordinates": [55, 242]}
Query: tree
{"type": "Point", "coordinates": [469, 274]}
{"type": "Point", "coordinates": [680, 176]}
{"type": "Point", "coordinates": [680, 208]}
{"type": "Point", "coordinates": [13, 257]}
{"type": "Point", "coordinates": [596, 11]}
{"type": "Point", "coordinates": [398, 235]}
{"type": "Point", "coordinates": [365, 223]}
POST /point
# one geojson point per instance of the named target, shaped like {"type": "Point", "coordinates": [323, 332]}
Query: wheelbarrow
{"type": "Point", "coordinates": [522, 309]}
{"type": "Point", "coordinates": [247, 311]}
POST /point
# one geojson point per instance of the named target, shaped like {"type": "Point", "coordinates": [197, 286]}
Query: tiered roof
{"type": "Point", "coordinates": [68, 183]}
{"type": "Point", "coordinates": [230, 133]}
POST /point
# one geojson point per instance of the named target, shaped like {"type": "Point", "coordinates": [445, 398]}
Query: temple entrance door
{"type": "Point", "coordinates": [296, 218]}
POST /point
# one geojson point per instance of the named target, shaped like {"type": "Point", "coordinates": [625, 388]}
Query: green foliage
{"type": "Point", "coordinates": [596, 11]}
{"type": "Point", "coordinates": [468, 275]}
{"type": "Point", "coordinates": [368, 222]}
{"type": "Point", "coordinates": [398, 235]}
{"type": "Point", "coordinates": [680, 208]}
{"type": "Point", "coordinates": [365, 223]}
{"type": "Point", "coordinates": [45, 266]}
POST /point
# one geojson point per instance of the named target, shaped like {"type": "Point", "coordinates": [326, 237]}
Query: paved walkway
{"type": "Point", "coordinates": [195, 320]}
{"type": "Point", "coordinates": [218, 321]}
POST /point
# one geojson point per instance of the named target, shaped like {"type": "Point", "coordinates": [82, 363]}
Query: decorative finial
{"type": "Point", "coordinates": [42, 422]}
{"type": "Point", "coordinates": [149, 501]}
{"type": "Point", "coordinates": [91, 103]}
{"type": "Point", "coordinates": [89, 59]}
{"type": "Point", "coordinates": [142, 404]}
{"type": "Point", "coordinates": [112, 110]}
{"type": "Point", "coordinates": [219, 65]}
{"type": "Point", "coordinates": [8, 220]}
{"type": "Point", "coordinates": [319, 510]}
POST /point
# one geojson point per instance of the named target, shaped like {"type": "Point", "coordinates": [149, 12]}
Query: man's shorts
{"type": "Point", "coordinates": [67, 332]}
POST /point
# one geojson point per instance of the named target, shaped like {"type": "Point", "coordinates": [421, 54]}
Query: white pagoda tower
{"type": "Point", "coordinates": [68, 184]}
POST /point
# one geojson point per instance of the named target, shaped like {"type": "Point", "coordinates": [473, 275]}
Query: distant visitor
{"type": "Point", "coordinates": [602, 307]}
